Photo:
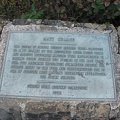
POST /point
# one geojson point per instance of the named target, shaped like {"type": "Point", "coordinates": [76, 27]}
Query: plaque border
{"type": "Point", "coordinates": [60, 98]}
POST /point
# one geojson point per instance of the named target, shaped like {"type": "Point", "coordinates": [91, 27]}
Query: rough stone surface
{"type": "Point", "coordinates": [4, 115]}
{"type": "Point", "coordinates": [48, 116]}
{"type": "Point", "coordinates": [12, 114]}
{"type": "Point", "coordinates": [3, 22]}
{"type": "Point", "coordinates": [0, 29]}
{"type": "Point", "coordinates": [28, 109]}
{"type": "Point", "coordinates": [118, 29]}
{"type": "Point", "coordinates": [93, 110]}
{"type": "Point", "coordinates": [62, 110]}
{"type": "Point", "coordinates": [39, 107]}
{"type": "Point", "coordinates": [0, 33]}
{"type": "Point", "coordinates": [38, 22]}
{"type": "Point", "coordinates": [48, 110]}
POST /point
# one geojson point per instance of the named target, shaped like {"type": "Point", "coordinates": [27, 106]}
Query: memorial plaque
{"type": "Point", "coordinates": [55, 65]}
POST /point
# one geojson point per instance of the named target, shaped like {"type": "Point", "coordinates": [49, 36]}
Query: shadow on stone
{"type": "Point", "coordinates": [4, 115]}
{"type": "Point", "coordinates": [11, 114]}
{"type": "Point", "coordinates": [49, 116]}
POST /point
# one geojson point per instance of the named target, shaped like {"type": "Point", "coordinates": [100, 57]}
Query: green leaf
{"type": "Point", "coordinates": [98, 1]}
{"type": "Point", "coordinates": [38, 15]}
{"type": "Point", "coordinates": [116, 14]}
{"type": "Point", "coordinates": [95, 10]}
{"type": "Point", "coordinates": [101, 6]}
{"type": "Point", "coordinates": [23, 16]}
{"type": "Point", "coordinates": [118, 6]}
{"type": "Point", "coordinates": [33, 8]}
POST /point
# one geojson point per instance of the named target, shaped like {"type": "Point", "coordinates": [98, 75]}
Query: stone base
{"type": "Point", "coordinates": [28, 109]}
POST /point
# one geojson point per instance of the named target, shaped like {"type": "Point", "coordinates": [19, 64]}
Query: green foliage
{"type": "Point", "coordinates": [15, 9]}
{"type": "Point", "coordinates": [32, 14]}
{"type": "Point", "coordinates": [99, 11]}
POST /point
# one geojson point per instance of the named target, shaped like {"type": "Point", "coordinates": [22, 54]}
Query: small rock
{"type": "Point", "coordinates": [38, 22]}
{"type": "Point", "coordinates": [102, 27]}
{"type": "Point", "coordinates": [90, 25]}
{"type": "Point", "coordinates": [29, 20]}
{"type": "Point", "coordinates": [19, 22]}
{"type": "Point", "coordinates": [72, 25]}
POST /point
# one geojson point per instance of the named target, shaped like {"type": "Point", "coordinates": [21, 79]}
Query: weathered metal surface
{"type": "Point", "coordinates": [54, 65]}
